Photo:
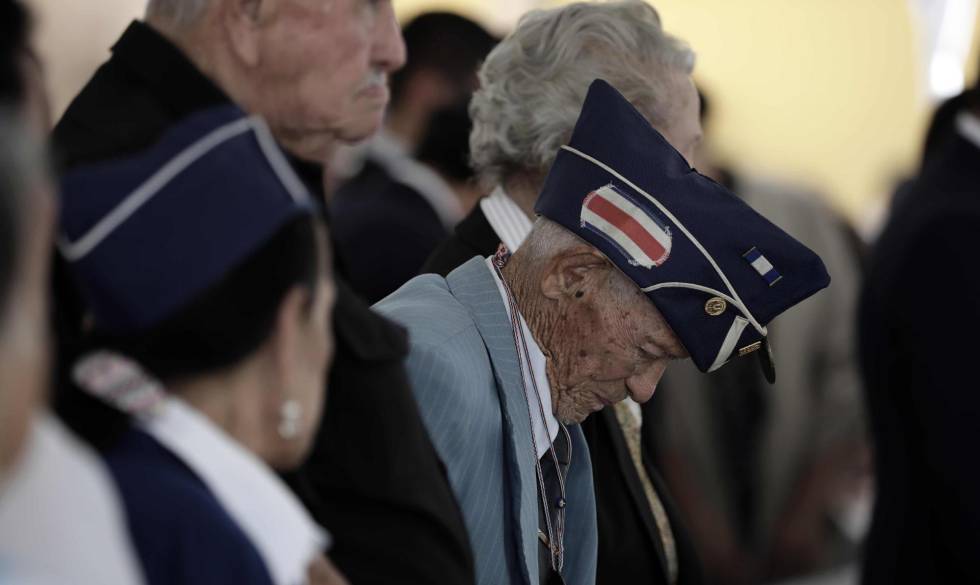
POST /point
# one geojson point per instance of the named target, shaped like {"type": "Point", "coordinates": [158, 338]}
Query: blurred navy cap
{"type": "Point", "coordinates": [146, 234]}
{"type": "Point", "coordinates": [718, 271]}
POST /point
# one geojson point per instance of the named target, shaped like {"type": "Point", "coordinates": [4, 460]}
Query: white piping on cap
{"type": "Point", "coordinates": [734, 298]}
{"type": "Point", "coordinates": [78, 249]}
{"type": "Point", "coordinates": [731, 340]}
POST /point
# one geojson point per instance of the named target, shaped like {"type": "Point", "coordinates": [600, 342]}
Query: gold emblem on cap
{"type": "Point", "coordinates": [715, 306]}
{"type": "Point", "coordinates": [749, 348]}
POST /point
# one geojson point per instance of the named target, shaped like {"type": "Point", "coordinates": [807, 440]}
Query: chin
{"type": "Point", "coordinates": [361, 130]}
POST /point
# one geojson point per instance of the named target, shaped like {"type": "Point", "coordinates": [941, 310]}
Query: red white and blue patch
{"type": "Point", "coordinates": [640, 236]}
{"type": "Point", "coordinates": [763, 266]}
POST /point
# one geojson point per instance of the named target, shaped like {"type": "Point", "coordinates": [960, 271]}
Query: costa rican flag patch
{"type": "Point", "coordinates": [763, 266]}
{"type": "Point", "coordinates": [640, 236]}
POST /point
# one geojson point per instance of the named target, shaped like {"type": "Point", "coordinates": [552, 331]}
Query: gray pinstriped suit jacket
{"type": "Point", "coordinates": [465, 374]}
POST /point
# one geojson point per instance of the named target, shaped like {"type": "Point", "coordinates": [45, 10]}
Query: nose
{"type": "Point", "coordinates": [389, 47]}
{"type": "Point", "coordinates": [643, 383]}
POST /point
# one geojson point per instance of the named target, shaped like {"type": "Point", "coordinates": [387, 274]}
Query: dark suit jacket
{"type": "Point", "coordinates": [630, 548]}
{"type": "Point", "coordinates": [373, 479]}
{"type": "Point", "coordinates": [383, 231]}
{"type": "Point", "coordinates": [919, 317]}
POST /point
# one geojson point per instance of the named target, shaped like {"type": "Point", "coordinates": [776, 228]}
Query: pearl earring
{"type": "Point", "coordinates": [290, 414]}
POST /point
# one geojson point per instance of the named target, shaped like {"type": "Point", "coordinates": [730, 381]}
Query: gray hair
{"type": "Point", "coordinates": [533, 84]}
{"type": "Point", "coordinates": [548, 239]}
{"type": "Point", "coordinates": [176, 13]}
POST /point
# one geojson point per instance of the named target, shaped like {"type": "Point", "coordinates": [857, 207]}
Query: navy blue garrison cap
{"type": "Point", "coordinates": [718, 271]}
{"type": "Point", "coordinates": [146, 234]}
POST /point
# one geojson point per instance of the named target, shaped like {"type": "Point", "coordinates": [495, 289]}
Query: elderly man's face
{"type": "Point", "coordinates": [609, 342]}
{"type": "Point", "coordinates": [322, 68]}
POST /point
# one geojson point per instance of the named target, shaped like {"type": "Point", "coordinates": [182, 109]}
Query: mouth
{"type": "Point", "coordinates": [375, 91]}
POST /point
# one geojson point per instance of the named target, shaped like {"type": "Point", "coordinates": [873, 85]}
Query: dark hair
{"type": "Point", "coordinates": [218, 329]}
{"type": "Point", "coordinates": [446, 143]}
{"type": "Point", "coordinates": [445, 42]}
{"type": "Point", "coordinates": [14, 26]}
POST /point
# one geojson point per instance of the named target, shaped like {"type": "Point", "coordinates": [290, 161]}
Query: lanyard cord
{"type": "Point", "coordinates": [555, 545]}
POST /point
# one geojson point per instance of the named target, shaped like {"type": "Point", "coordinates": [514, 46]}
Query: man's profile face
{"type": "Point", "coordinates": [323, 70]}
{"type": "Point", "coordinates": [613, 344]}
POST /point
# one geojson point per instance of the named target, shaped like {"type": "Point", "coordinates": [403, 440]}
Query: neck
{"type": "Point", "coordinates": [537, 310]}
{"type": "Point", "coordinates": [232, 401]}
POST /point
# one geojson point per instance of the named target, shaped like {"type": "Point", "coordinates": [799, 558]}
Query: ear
{"type": "Point", "coordinates": [573, 275]}
{"type": "Point", "coordinates": [241, 20]}
{"type": "Point", "coordinates": [287, 339]}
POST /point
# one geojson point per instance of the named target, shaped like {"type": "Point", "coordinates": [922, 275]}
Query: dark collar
{"type": "Point", "coordinates": [476, 231]}
{"type": "Point", "coordinates": [162, 66]}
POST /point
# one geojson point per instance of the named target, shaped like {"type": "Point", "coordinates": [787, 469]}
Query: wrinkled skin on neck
{"type": "Point", "coordinates": [602, 338]}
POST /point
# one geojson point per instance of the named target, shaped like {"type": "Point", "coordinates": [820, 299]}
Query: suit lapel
{"type": "Point", "coordinates": [474, 287]}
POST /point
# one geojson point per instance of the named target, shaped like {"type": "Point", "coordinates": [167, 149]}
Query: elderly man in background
{"type": "Point", "coordinates": [532, 87]}
{"type": "Point", "coordinates": [316, 70]}
{"type": "Point", "coordinates": [636, 260]}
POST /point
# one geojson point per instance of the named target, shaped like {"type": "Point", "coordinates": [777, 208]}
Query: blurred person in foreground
{"type": "Point", "coordinates": [393, 213]}
{"type": "Point", "coordinates": [316, 70]}
{"type": "Point", "coordinates": [767, 476]}
{"type": "Point", "coordinates": [532, 87]}
{"type": "Point", "coordinates": [511, 352]}
{"type": "Point", "coordinates": [208, 401]}
{"type": "Point", "coordinates": [918, 318]}
{"type": "Point", "coordinates": [44, 537]}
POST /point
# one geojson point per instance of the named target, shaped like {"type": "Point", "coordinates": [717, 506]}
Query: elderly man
{"type": "Point", "coordinates": [316, 70]}
{"type": "Point", "coordinates": [637, 260]}
{"type": "Point", "coordinates": [525, 109]}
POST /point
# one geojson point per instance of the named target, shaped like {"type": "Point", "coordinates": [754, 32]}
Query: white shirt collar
{"type": "Point", "coordinates": [507, 219]}
{"type": "Point", "coordinates": [969, 127]}
{"type": "Point", "coordinates": [391, 154]}
{"type": "Point", "coordinates": [537, 369]}
{"type": "Point", "coordinates": [272, 518]}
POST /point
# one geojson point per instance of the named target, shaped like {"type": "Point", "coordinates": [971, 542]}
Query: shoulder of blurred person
{"type": "Point", "coordinates": [78, 536]}
{"type": "Point", "coordinates": [384, 230]}
{"type": "Point", "coordinates": [917, 322]}
{"type": "Point", "coordinates": [147, 85]}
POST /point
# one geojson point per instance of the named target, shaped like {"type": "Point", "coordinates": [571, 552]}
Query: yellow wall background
{"type": "Point", "coordinates": [827, 93]}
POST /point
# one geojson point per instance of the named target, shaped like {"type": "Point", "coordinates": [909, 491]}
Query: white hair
{"type": "Point", "coordinates": [177, 13]}
{"type": "Point", "coordinates": [548, 239]}
{"type": "Point", "coordinates": [533, 84]}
